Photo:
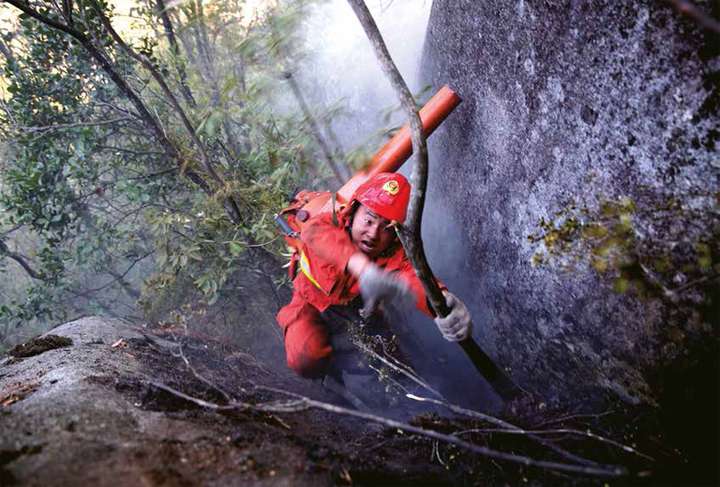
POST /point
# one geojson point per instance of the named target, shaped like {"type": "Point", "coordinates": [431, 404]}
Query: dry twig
{"type": "Point", "coordinates": [398, 367]}
{"type": "Point", "coordinates": [587, 434]}
{"type": "Point", "coordinates": [200, 377]}
{"type": "Point", "coordinates": [506, 427]}
{"type": "Point", "coordinates": [300, 403]}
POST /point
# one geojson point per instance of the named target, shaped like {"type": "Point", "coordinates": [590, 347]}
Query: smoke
{"type": "Point", "coordinates": [341, 69]}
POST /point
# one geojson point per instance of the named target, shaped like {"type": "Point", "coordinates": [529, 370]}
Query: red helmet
{"type": "Point", "coordinates": [387, 194]}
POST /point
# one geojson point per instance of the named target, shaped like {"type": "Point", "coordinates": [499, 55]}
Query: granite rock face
{"type": "Point", "coordinates": [566, 103]}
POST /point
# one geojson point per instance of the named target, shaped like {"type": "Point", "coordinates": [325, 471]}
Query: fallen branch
{"type": "Point", "coordinates": [575, 416]}
{"type": "Point", "coordinates": [301, 403]}
{"type": "Point", "coordinates": [398, 366]}
{"type": "Point", "coordinates": [587, 434]}
{"type": "Point", "coordinates": [401, 369]}
{"type": "Point", "coordinates": [197, 375]}
{"type": "Point", "coordinates": [506, 427]}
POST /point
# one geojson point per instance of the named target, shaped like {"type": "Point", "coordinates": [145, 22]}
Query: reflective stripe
{"type": "Point", "coordinates": [305, 269]}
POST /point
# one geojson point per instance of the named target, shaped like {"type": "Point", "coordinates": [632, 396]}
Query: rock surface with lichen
{"type": "Point", "coordinates": [568, 109]}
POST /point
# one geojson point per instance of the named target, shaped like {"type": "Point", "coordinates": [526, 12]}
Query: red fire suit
{"type": "Point", "coordinates": [323, 281]}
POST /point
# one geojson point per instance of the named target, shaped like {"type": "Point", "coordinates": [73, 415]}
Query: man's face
{"type": "Point", "coordinates": [370, 232]}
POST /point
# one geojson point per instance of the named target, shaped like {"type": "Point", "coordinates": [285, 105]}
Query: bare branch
{"type": "Point", "coordinates": [137, 153]}
{"type": "Point", "coordinates": [697, 282]}
{"type": "Point", "coordinates": [13, 229]}
{"type": "Point", "coordinates": [183, 35]}
{"type": "Point", "coordinates": [506, 426]}
{"type": "Point", "coordinates": [222, 391]}
{"type": "Point", "coordinates": [175, 49]}
{"type": "Point", "coordinates": [66, 10]}
{"type": "Point", "coordinates": [339, 170]}
{"type": "Point", "coordinates": [410, 232]}
{"type": "Point", "coordinates": [200, 402]}
{"type": "Point", "coordinates": [117, 108]}
{"type": "Point", "coordinates": [118, 277]}
{"type": "Point", "coordinates": [208, 71]}
{"type": "Point", "coordinates": [63, 126]}
{"type": "Point", "coordinates": [398, 366]}
{"type": "Point", "coordinates": [204, 46]}
{"type": "Point", "coordinates": [587, 434]}
{"type": "Point", "coordinates": [575, 416]}
{"type": "Point", "coordinates": [701, 18]}
{"type": "Point", "coordinates": [22, 260]}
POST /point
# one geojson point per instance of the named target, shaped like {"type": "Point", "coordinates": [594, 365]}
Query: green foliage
{"type": "Point", "coordinates": [94, 202]}
{"type": "Point", "coordinates": [50, 156]}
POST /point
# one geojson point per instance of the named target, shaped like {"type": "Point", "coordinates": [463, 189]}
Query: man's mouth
{"type": "Point", "coordinates": [367, 246]}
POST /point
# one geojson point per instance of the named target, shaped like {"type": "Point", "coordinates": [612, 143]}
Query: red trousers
{"type": "Point", "coordinates": [307, 343]}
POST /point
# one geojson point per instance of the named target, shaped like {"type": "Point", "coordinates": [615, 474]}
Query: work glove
{"type": "Point", "coordinates": [456, 326]}
{"type": "Point", "coordinates": [378, 286]}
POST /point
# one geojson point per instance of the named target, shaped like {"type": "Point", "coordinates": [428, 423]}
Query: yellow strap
{"type": "Point", "coordinates": [305, 269]}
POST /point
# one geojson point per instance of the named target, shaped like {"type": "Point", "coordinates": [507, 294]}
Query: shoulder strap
{"type": "Point", "coordinates": [333, 195]}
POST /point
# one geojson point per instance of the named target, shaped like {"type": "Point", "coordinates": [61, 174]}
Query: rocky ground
{"type": "Point", "coordinates": [86, 405]}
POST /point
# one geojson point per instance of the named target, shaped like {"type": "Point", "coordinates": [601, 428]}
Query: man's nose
{"type": "Point", "coordinates": [374, 231]}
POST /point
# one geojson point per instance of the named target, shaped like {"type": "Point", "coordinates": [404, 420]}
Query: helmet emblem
{"type": "Point", "coordinates": [391, 187]}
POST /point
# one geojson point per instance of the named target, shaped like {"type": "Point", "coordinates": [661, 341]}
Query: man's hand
{"type": "Point", "coordinates": [456, 326]}
{"type": "Point", "coordinates": [378, 286]}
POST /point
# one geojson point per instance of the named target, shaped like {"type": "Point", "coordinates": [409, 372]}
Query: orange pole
{"type": "Point", "coordinates": [395, 152]}
{"type": "Point", "coordinates": [399, 149]}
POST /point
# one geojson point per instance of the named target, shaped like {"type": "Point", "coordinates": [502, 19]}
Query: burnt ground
{"type": "Point", "coordinates": [90, 414]}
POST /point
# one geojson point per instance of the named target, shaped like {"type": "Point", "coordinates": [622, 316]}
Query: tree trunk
{"type": "Point", "coordinates": [175, 50]}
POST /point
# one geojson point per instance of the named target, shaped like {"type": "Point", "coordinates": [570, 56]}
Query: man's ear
{"type": "Point", "coordinates": [351, 213]}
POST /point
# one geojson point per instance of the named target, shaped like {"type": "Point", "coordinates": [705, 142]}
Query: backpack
{"type": "Point", "coordinates": [290, 220]}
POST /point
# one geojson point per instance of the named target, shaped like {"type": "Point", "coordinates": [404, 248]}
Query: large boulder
{"type": "Point", "coordinates": [570, 105]}
{"type": "Point", "coordinates": [79, 410]}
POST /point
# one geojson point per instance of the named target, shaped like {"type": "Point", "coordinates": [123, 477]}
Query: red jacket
{"type": "Point", "coordinates": [322, 279]}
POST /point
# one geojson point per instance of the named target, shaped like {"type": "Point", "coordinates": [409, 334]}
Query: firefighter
{"type": "Point", "coordinates": [350, 253]}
